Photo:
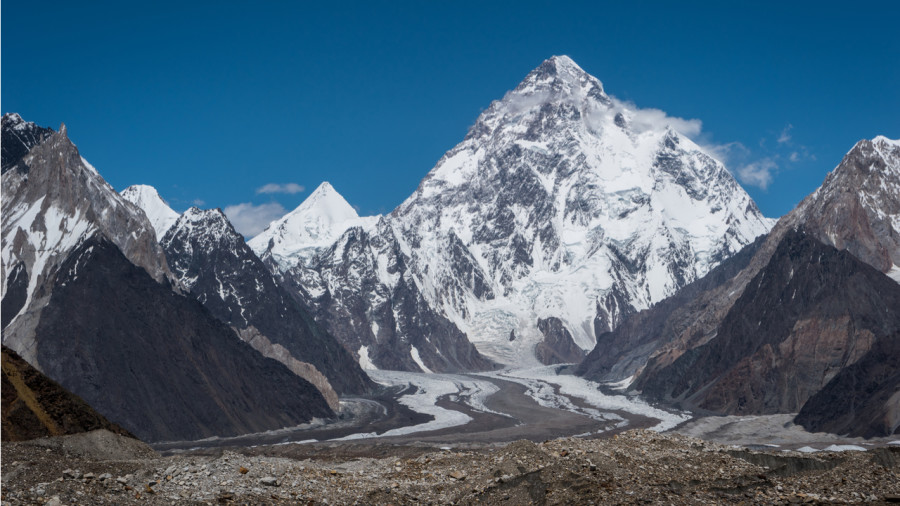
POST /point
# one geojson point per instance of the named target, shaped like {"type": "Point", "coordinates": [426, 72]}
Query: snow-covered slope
{"type": "Point", "coordinates": [312, 226]}
{"type": "Point", "coordinates": [161, 216]}
{"type": "Point", "coordinates": [561, 202]}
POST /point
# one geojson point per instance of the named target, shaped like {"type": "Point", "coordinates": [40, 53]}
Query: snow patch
{"type": "Point", "coordinates": [414, 352]}
{"type": "Point", "coordinates": [364, 360]}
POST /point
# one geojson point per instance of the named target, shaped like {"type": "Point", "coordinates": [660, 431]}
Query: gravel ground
{"type": "Point", "coordinates": [633, 467]}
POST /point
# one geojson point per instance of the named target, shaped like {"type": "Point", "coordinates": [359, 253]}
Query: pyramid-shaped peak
{"type": "Point", "coordinates": [313, 225]}
{"type": "Point", "coordinates": [325, 199]}
{"type": "Point", "coordinates": [560, 78]}
{"type": "Point", "coordinates": [563, 63]}
{"type": "Point", "coordinates": [324, 188]}
{"type": "Point", "coordinates": [206, 222]}
{"type": "Point", "coordinates": [560, 68]}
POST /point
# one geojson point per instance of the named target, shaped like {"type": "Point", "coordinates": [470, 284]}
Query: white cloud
{"type": "Point", "coordinates": [198, 202]}
{"type": "Point", "coordinates": [289, 188]}
{"type": "Point", "coordinates": [650, 119]}
{"type": "Point", "coordinates": [249, 220]}
{"type": "Point", "coordinates": [785, 134]}
{"type": "Point", "coordinates": [758, 173]}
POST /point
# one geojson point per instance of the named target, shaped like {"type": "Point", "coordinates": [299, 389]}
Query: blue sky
{"type": "Point", "coordinates": [212, 101]}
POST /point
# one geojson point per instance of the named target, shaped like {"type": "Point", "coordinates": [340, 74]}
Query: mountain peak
{"type": "Point", "coordinates": [210, 224]}
{"type": "Point", "coordinates": [326, 200]}
{"type": "Point", "coordinates": [161, 216]}
{"type": "Point", "coordinates": [12, 119]}
{"type": "Point", "coordinates": [559, 78]}
{"type": "Point", "coordinates": [314, 224]}
{"type": "Point", "coordinates": [857, 208]}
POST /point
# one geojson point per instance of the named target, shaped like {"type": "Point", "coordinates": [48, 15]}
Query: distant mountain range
{"type": "Point", "coordinates": [566, 227]}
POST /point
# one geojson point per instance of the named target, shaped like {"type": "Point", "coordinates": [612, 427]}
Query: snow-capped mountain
{"type": "Point", "coordinates": [312, 226]}
{"type": "Point", "coordinates": [211, 260]}
{"type": "Point", "coordinates": [54, 200]}
{"type": "Point", "coordinates": [561, 202]}
{"type": "Point", "coordinates": [161, 216]}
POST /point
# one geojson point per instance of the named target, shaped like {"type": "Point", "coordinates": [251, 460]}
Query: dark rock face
{"type": "Point", "coordinates": [863, 400]}
{"type": "Point", "coordinates": [17, 138]}
{"type": "Point", "coordinates": [16, 294]}
{"type": "Point", "coordinates": [212, 260]}
{"type": "Point", "coordinates": [157, 362]}
{"type": "Point", "coordinates": [35, 406]}
{"type": "Point", "coordinates": [557, 346]}
{"type": "Point", "coordinates": [810, 313]}
{"type": "Point", "coordinates": [624, 351]}
{"type": "Point", "coordinates": [858, 206]}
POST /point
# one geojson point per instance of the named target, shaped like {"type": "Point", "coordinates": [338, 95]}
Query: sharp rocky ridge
{"type": "Point", "coordinates": [54, 201]}
{"type": "Point", "coordinates": [561, 205]}
{"type": "Point", "coordinates": [215, 265]}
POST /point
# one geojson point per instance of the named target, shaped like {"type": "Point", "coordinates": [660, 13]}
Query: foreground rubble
{"type": "Point", "coordinates": [633, 467]}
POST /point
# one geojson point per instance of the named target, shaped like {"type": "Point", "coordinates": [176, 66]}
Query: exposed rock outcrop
{"type": "Point", "coordinates": [212, 261]}
{"type": "Point", "coordinates": [557, 346]}
{"type": "Point", "coordinates": [53, 201]}
{"type": "Point", "coordinates": [35, 406]}
{"type": "Point", "coordinates": [810, 313]}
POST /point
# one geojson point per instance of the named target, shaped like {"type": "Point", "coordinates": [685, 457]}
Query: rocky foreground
{"type": "Point", "coordinates": [633, 467]}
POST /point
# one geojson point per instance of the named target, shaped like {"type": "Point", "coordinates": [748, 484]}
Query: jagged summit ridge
{"type": "Point", "coordinates": [315, 224]}
{"type": "Point", "coordinates": [157, 210]}
{"type": "Point", "coordinates": [565, 197]}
